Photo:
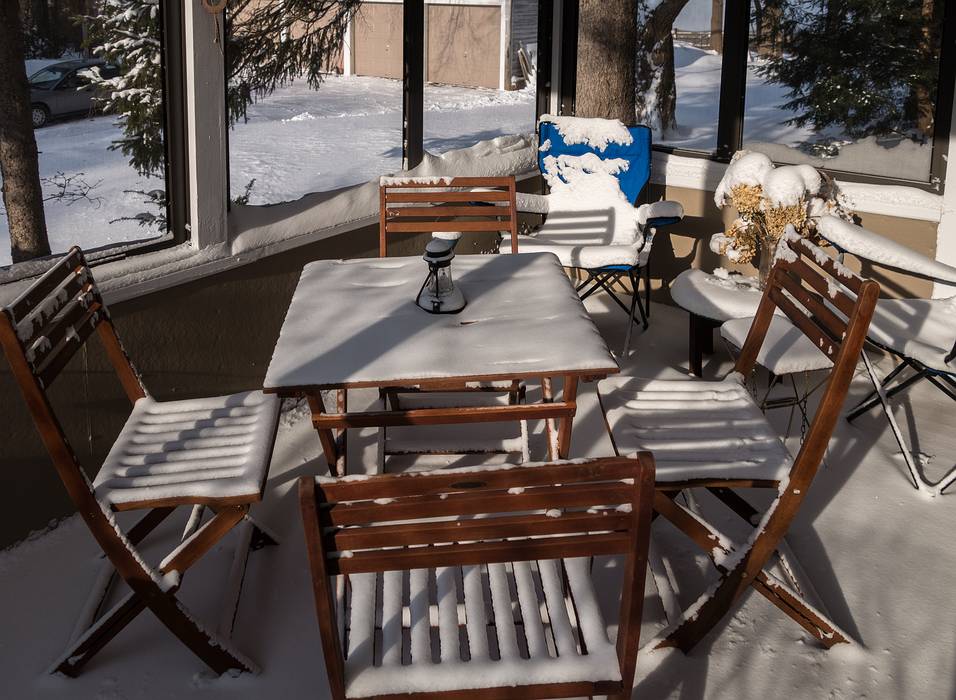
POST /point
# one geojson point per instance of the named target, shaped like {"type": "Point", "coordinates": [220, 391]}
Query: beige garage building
{"type": "Point", "coordinates": [476, 43]}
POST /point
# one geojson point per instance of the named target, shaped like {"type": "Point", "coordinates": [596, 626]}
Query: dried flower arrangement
{"type": "Point", "coordinates": [767, 200]}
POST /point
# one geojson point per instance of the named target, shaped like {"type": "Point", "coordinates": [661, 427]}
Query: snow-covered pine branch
{"type": "Point", "coordinates": [126, 34]}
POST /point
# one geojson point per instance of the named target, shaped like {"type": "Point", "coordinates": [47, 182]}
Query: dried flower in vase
{"type": "Point", "coordinates": [768, 199]}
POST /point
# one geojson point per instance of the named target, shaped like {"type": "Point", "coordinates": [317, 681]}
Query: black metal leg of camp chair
{"type": "Point", "coordinates": [647, 290]}
{"type": "Point", "coordinates": [635, 303]}
{"type": "Point", "coordinates": [874, 397]}
{"type": "Point", "coordinates": [601, 281]}
{"type": "Point", "coordinates": [950, 391]}
{"type": "Point", "coordinates": [894, 426]}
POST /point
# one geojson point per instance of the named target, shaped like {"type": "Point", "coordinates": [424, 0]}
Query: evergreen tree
{"type": "Point", "coordinates": [270, 43]}
{"type": "Point", "coordinates": [868, 67]}
{"type": "Point", "coordinates": [126, 33]}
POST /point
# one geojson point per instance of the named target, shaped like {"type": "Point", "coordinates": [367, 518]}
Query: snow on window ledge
{"type": "Point", "coordinates": [256, 232]}
{"type": "Point", "coordinates": [889, 200]}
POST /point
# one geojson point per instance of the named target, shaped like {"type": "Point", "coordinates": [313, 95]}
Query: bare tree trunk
{"type": "Point", "coordinates": [606, 50]}
{"type": "Point", "coordinates": [19, 168]}
{"type": "Point", "coordinates": [655, 57]}
{"type": "Point", "coordinates": [717, 25]}
{"type": "Point", "coordinates": [667, 85]}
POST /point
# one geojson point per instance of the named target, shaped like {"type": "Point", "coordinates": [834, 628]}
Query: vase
{"type": "Point", "coordinates": [768, 252]}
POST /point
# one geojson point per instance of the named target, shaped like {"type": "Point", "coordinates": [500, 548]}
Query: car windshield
{"type": "Point", "coordinates": [46, 78]}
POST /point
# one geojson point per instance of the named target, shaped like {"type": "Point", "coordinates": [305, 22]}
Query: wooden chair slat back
{"type": "Point", "coordinates": [52, 320]}
{"type": "Point", "coordinates": [832, 306]}
{"type": "Point", "coordinates": [817, 294]}
{"type": "Point", "coordinates": [461, 204]}
{"type": "Point", "coordinates": [501, 532]}
{"type": "Point", "coordinates": [555, 509]}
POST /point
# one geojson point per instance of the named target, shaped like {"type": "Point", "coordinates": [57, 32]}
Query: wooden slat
{"type": "Point", "coordinates": [444, 211]}
{"type": "Point", "coordinates": [479, 502]}
{"type": "Point", "coordinates": [394, 485]}
{"type": "Point", "coordinates": [806, 273]}
{"type": "Point", "coordinates": [75, 313]}
{"type": "Point", "coordinates": [33, 325]}
{"type": "Point", "coordinates": [810, 329]}
{"type": "Point", "coordinates": [392, 196]}
{"type": "Point", "coordinates": [834, 325]}
{"type": "Point", "coordinates": [57, 360]}
{"type": "Point", "coordinates": [442, 416]}
{"type": "Point", "coordinates": [485, 528]}
{"type": "Point", "coordinates": [482, 553]}
{"type": "Point", "coordinates": [457, 225]}
{"type": "Point", "coordinates": [49, 281]}
{"type": "Point", "coordinates": [852, 282]}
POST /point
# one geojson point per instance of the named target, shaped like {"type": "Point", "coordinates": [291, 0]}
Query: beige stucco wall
{"type": "Point", "coordinates": [464, 45]}
{"type": "Point", "coordinates": [377, 40]}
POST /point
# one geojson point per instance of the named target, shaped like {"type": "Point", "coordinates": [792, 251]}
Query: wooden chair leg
{"type": "Point", "coordinates": [96, 637]}
{"type": "Point", "coordinates": [213, 650]}
{"type": "Point", "coordinates": [713, 605]}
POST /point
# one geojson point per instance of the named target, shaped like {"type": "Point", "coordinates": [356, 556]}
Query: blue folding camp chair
{"type": "Point", "coordinates": [585, 244]}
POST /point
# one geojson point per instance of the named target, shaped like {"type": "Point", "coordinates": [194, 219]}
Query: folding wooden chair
{"type": "Point", "coordinates": [446, 205]}
{"type": "Point", "coordinates": [477, 583]}
{"type": "Point", "coordinates": [461, 205]}
{"type": "Point", "coordinates": [712, 435]}
{"type": "Point", "coordinates": [205, 453]}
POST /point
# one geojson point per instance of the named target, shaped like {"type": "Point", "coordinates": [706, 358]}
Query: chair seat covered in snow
{"type": "Point", "coordinates": [208, 450]}
{"type": "Point", "coordinates": [785, 350]}
{"type": "Point", "coordinates": [477, 582]}
{"type": "Point", "coordinates": [712, 435]}
{"type": "Point", "coordinates": [921, 333]}
{"type": "Point", "coordinates": [596, 169]}
{"type": "Point", "coordinates": [210, 454]}
{"type": "Point", "coordinates": [695, 429]}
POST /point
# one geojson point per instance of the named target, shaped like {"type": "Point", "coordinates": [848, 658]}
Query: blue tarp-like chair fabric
{"type": "Point", "coordinates": [606, 263]}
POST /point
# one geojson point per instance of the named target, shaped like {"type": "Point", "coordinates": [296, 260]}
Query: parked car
{"type": "Point", "coordinates": [61, 89]}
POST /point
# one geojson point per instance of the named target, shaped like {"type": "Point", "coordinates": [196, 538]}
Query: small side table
{"type": "Point", "coordinates": [712, 299]}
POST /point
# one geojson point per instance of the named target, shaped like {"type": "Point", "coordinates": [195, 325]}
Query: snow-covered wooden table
{"type": "Point", "coordinates": [354, 324]}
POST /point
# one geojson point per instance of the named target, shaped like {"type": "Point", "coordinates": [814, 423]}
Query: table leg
{"type": "Point", "coordinates": [333, 443]}
{"type": "Point", "coordinates": [547, 396]}
{"type": "Point", "coordinates": [695, 360]}
{"type": "Point", "coordinates": [700, 342]}
{"type": "Point", "coordinates": [569, 395]}
{"type": "Point", "coordinates": [342, 436]}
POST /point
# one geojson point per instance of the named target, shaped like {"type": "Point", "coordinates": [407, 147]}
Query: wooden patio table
{"type": "Point", "coordinates": [354, 324]}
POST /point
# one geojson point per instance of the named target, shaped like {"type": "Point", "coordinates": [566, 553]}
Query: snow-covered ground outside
{"type": "Point", "coordinates": [876, 551]}
{"type": "Point", "coordinates": [299, 140]}
{"type": "Point", "coordinates": [296, 141]}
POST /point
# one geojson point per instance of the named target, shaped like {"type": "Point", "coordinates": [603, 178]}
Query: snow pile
{"type": "Point", "coordinates": [585, 195]}
{"type": "Point", "coordinates": [253, 227]}
{"type": "Point", "coordinates": [391, 181]}
{"type": "Point", "coordinates": [782, 186]}
{"type": "Point", "coordinates": [785, 187]}
{"type": "Point", "coordinates": [879, 249]}
{"type": "Point", "coordinates": [747, 168]}
{"type": "Point", "coordinates": [596, 133]}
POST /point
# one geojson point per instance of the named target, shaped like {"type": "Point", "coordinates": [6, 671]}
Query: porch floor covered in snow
{"type": "Point", "coordinates": [877, 551]}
